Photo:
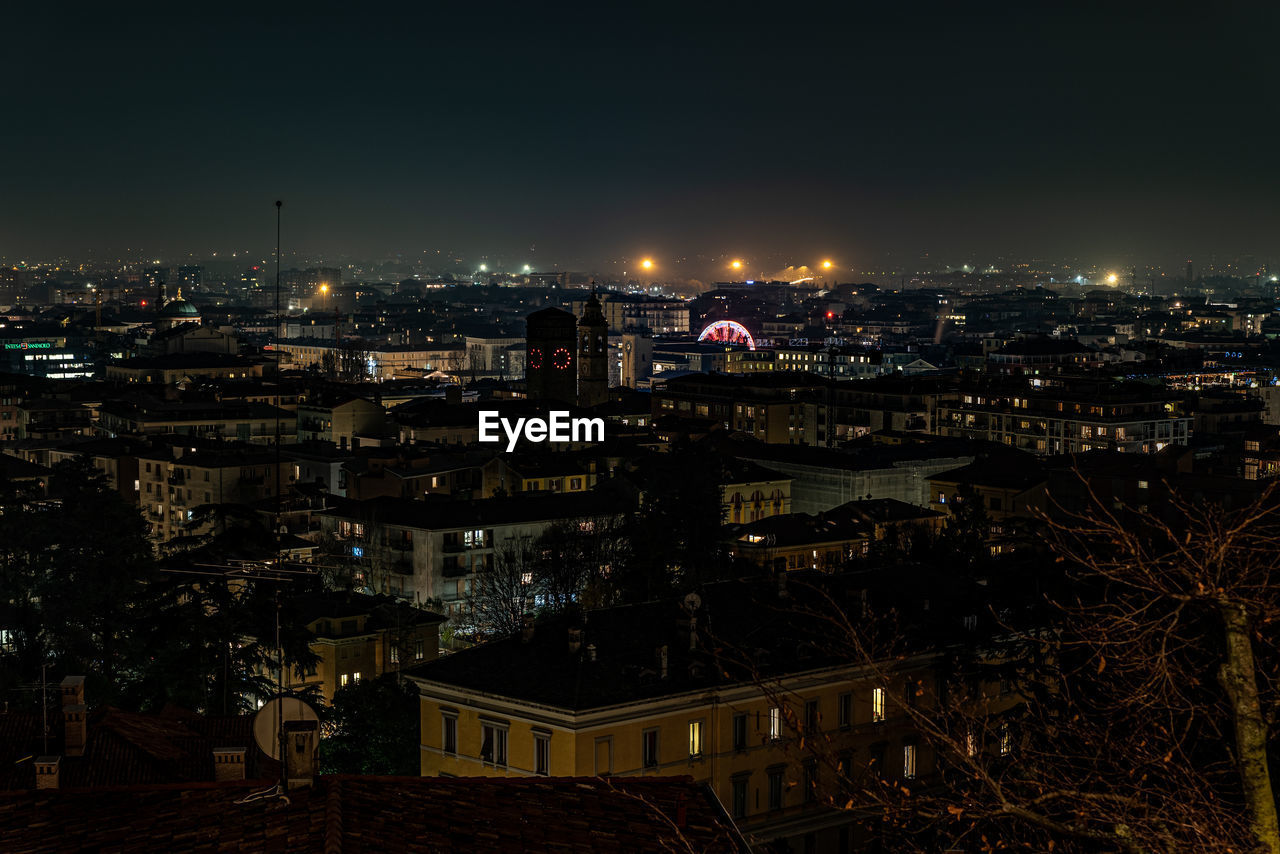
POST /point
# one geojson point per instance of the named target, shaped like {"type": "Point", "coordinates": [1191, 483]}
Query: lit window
{"type": "Point", "coordinates": [1006, 741]}
{"type": "Point", "coordinates": [355, 677]}
{"type": "Point", "coordinates": [877, 705]}
{"type": "Point", "coordinates": [908, 761]}
{"type": "Point", "coordinates": [395, 654]}
{"type": "Point", "coordinates": [695, 739]}
{"type": "Point", "coordinates": [343, 680]}
{"type": "Point", "coordinates": [418, 650]}
{"type": "Point", "coordinates": [775, 723]}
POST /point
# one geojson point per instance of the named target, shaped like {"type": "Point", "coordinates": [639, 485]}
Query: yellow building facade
{"type": "Point", "coordinates": [743, 739]}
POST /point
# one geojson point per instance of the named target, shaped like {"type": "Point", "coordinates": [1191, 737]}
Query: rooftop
{"type": "Point", "coordinates": [366, 814]}
{"type": "Point", "coordinates": [619, 658]}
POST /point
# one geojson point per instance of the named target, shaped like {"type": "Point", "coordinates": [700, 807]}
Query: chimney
{"type": "Point", "coordinates": [228, 764]}
{"type": "Point", "coordinates": [526, 628]}
{"type": "Point", "coordinates": [300, 752]}
{"type": "Point", "coordinates": [47, 768]}
{"type": "Point", "coordinates": [75, 716]}
{"type": "Point", "coordinates": [575, 640]}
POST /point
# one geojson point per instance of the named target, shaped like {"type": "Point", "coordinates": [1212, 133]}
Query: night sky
{"type": "Point", "coordinates": [576, 137]}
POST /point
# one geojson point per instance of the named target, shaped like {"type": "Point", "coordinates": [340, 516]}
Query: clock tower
{"type": "Point", "coordinates": [551, 361]}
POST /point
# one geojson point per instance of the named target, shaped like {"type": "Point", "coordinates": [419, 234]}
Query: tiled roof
{"type": "Point", "coordinates": [363, 815]}
{"type": "Point", "coordinates": [126, 748]}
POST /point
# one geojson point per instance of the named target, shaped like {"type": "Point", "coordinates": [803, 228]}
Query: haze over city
{"type": "Point", "coordinates": [580, 138]}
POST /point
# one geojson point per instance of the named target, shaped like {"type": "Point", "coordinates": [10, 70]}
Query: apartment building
{"type": "Point", "coordinates": [788, 408]}
{"type": "Point", "coordinates": [359, 637]}
{"type": "Point", "coordinates": [258, 423]}
{"type": "Point", "coordinates": [174, 481]}
{"type": "Point", "coordinates": [636, 692]}
{"type": "Point", "coordinates": [430, 550]}
{"type": "Point", "coordinates": [1068, 417]}
{"type": "Point", "coordinates": [338, 418]}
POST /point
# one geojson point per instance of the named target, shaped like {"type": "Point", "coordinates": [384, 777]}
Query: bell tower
{"type": "Point", "coordinates": [593, 354]}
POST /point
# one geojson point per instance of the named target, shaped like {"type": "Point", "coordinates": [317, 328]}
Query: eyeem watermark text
{"type": "Point", "coordinates": [559, 427]}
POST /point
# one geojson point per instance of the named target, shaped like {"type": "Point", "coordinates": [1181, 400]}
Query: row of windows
{"type": "Point", "coordinates": [493, 743]}
{"type": "Point", "coordinates": [493, 750]}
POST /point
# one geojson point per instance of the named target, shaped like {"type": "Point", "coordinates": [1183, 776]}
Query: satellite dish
{"type": "Point", "coordinates": [692, 602]}
{"type": "Point", "coordinates": [271, 718]}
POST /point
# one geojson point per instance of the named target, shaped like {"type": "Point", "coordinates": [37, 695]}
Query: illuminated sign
{"type": "Point", "coordinates": [29, 345]}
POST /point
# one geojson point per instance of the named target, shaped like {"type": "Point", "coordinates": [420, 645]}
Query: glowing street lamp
{"type": "Point", "coordinates": [1112, 278]}
{"type": "Point", "coordinates": [647, 263]}
{"type": "Point", "coordinates": [737, 264]}
{"type": "Point", "coordinates": [324, 296]}
{"type": "Point", "coordinates": [484, 268]}
{"type": "Point", "coordinates": [826, 264]}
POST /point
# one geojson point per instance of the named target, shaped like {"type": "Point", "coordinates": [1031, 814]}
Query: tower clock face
{"type": "Point", "coordinates": [561, 358]}
{"type": "Point", "coordinates": [535, 358]}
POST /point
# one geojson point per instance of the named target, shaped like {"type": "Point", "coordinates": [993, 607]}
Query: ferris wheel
{"type": "Point", "coordinates": [728, 332]}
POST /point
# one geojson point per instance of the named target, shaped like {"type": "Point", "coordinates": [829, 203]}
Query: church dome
{"type": "Point", "coordinates": [179, 309]}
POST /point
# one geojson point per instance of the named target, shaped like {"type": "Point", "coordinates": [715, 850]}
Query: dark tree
{"type": "Point", "coordinates": [373, 729]}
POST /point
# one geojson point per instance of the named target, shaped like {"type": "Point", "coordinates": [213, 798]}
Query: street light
{"type": "Point", "coordinates": [324, 297]}
{"type": "Point", "coordinates": [826, 264]}
{"type": "Point", "coordinates": [737, 264]}
{"type": "Point", "coordinates": [647, 263]}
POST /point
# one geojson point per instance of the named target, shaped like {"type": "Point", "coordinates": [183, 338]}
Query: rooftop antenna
{"type": "Point", "coordinates": [275, 528]}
